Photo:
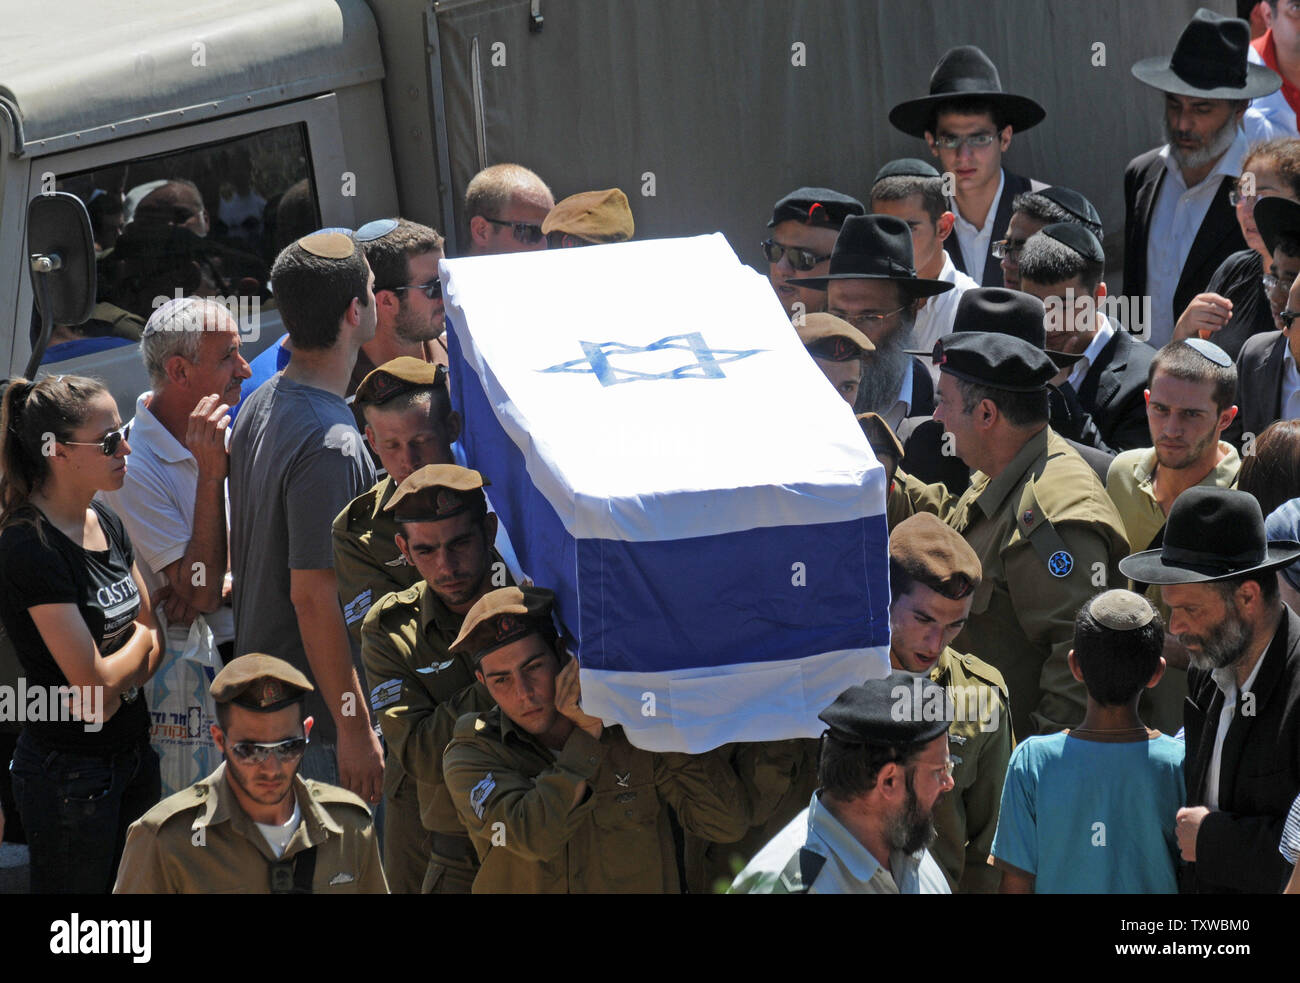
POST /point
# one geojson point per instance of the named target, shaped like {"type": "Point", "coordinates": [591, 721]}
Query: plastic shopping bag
{"type": "Point", "coordinates": [180, 703]}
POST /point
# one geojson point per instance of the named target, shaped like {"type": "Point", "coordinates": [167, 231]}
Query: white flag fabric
{"type": "Point", "coordinates": [670, 461]}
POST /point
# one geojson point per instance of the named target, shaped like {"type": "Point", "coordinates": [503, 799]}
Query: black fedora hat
{"type": "Point", "coordinates": [875, 247]}
{"type": "Point", "coordinates": [1212, 534]}
{"type": "Point", "coordinates": [1209, 62]}
{"type": "Point", "coordinates": [997, 310]}
{"type": "Point", "coordinates": [965, 72]}
{"type": "Point", "coordinates": [1276, 217]}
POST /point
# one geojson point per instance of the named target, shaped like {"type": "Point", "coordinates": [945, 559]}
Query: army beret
{"type": "Point", "coordinates": [1121, 610]}
{"type": "Point", "coordinates": [329, 244]}
{"type": "Point", "coordinates": [396, 376]}
{"type": "Point", "coordinates": [936, 551]}
{"type": "Point", "coordinates": [996, 360]}
{"type": "Point", "coordinates": [1073, 202]}
{"type": "Point", "coordinates": [261, 683]}
{"type": "Point", "coordinates": [1077, 237]}
{"type": "Point", "coordinates": [833, 338]}
{"type": "Point", "coordinates": [880, 435]}
{"type": "Point", "coordinates": [436, 492]}
{"type": "Point", "coordinates": [816, 206]}
{"type": "Point", "coordinates": [890, 712]}
{"type": "Point", "coordinates": [905, 167]}
{"type": "Point", "coordinates": [597, 216]}
{"type": "Point", "coordinates": [503, 616]}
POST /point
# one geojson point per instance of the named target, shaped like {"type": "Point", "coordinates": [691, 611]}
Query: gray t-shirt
{"type": "Point", "coordinates": [296, 459]}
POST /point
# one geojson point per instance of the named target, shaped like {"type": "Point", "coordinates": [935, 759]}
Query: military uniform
{"type": "Point", "coordinates": [515, 797]}
{"type": "Point", "coordinates": [979, 743]}
{"type": "Point", "coordinates": [411, 674]}
{"type": "Point", "coordinates": [199, 841]}
{"type": "Point", "coordinates": [1048, 539]}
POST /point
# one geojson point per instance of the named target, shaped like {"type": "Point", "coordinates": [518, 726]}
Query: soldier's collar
{"type": "Point", "coordinates": [994, 496]}
{"type": "Point", "coordinates": [433, 613]}
{"type": "Point", "coordinates": [221, 805]}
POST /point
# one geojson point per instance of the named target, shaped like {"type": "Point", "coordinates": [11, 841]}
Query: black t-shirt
{"type": "Point", "coordinates": [99, 583]}
{"type": "Point", "coordinates": [1240, 279]}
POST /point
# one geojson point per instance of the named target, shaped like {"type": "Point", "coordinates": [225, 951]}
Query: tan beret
{"type": "Point", "coordinates": [261, 683]}
{"type": "Point", "coordinates": [880, 435]}
{"type": "Point", "coordinates": [436, 492]}
{"type": "Point", "coordinates": [399, 375]}
{"type": "Point", "coordinates": [503, 616]}
{"type": "Point", "coordinates": [829, 337]}
{"type": "Point", "coordinates": [597, 216]}
{"type": "Point", "coordinates": [931, 551]}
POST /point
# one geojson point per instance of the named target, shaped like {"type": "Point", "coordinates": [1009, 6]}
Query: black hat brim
{"type": "Point", "coordinates": [1156, 72]}
{"type": "Point", "coordinates": [1020, 112]}
{"type": "Point", "coordinates": [1148, 567]}
{"type": "Point", "coordinates": [915, 286]}
{"type": "Point", "coordinates": [1060, 359]}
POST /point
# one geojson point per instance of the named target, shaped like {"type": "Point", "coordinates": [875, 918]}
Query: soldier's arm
{"type": "Point", "coordinates": [473, 699]}
{"type": "Point", "coordinates": [767, 769]}
{"type": "Point", "coordinates": [400, 701]}
{"type": "Point", "coordinates": [372, 880]}
{"type": "Point", "coordinates": [982, 800]}
{"type": "Point", "coordinates": [531, 817]}
{"type": "Point", "coordinates": [358, 573]}
{"type": "Point", "coordinates": [143, 869]}
{"type": "Point", "coordinates": [706, 793]}
{"type": "Point", "coordinates": [908, 496]}
{"type": "Point", "coordinates": [1046, 607]}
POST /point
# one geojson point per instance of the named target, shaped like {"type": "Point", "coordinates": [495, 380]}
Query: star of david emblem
{"type": "Point", "coordinates": [706, 365]}
{"type": "Point", "coordinates": [1060, 563]}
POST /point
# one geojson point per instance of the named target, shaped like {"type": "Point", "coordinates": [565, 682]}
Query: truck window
{"type": "Point", "coordinates": [208, 221]}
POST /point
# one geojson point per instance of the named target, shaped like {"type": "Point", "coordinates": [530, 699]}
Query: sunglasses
{"type": "Point", "coordinates": [253, 752]}
{"type": "Point", "coordinates": [802, 260]}
{"type": "Point", "coordinates": [525, 232]}
{"type": "Point", "coordinates": [109, 443]}
{"type": "Point", "coordinates": [432, 289]}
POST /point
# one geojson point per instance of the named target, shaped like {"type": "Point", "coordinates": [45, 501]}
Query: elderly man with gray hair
{"type": "Point", "coordinates": [173, 501]}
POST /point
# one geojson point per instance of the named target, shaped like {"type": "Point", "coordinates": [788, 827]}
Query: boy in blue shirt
{"type": "Point", "coordinates": [1091, 810]}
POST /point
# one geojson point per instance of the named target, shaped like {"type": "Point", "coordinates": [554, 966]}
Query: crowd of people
{"type": "Point", "coordinates": [1094, 551]}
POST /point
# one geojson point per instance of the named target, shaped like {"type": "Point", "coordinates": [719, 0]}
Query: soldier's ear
{"type": "Point", "coordinates": [453, 426]}
{"type": "Point", "coordinates": [370, 438]}
{"type": "Point", "coordinates": [218, 738]}
{"type": "Point", "coordinates": [490, 528]}
{"type": "Point", "coordinates": [402, 547]}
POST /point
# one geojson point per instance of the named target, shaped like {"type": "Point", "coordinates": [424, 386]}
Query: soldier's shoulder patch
{"type": "Point", "coordinates": [385, 694]}
{"type": "Point", "coordinates": [357, 608]}
{"type": "Point", "coordinates": [478, 795]}
{"type": "Point", "coordinates": [176, 805]}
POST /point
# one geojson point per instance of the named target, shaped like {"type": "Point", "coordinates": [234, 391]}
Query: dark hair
{"type": "Point", "coordinates": [903, 576]}
{"type": "Point", "coordinates": [1116, 665]}
{"type": "Point", "coordinates": [390, 255]}
{"type": "Point", "coordinates": [1284, 152]}
{"type": "Point", "coordinates": [1272, 472]}
{"type": "Point", "coordinates": [313, 293]}
{"type": "Point", "coordinates": [1267, 580]}
{"type": "Point", "coordinates": [435, 398]}
{"type": "Point", "coordinates": [1179, 360]}
{"type": "Point", "coordinates": [966, 106]}
{"type": "Point", "coordinates": [1047, 261]}
{"type": "Point", "coordinates": [845, 771]}
{"type": "Point", "coordinates": [223, 713]}
{"type": "Point", "coordinates": [904, 186]}
{"type": "Point", "coordinates": [1020, 409]}
{"type": "Point", "coordinates": [1042, 209]}
{"type": "Point", "coordinates": [31, 415]}
{"type": "Point", "coordinates": [1289, 243]}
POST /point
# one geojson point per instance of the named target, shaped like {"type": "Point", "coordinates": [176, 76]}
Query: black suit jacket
{"type": "Point", "coordinates": [1012, 185]}
{"type": "Point", "coordinates": [1218, 237]}
{"type": "Point", "coordinates": [1112, 392]}
{"type": "Point", "coordinates": [1260, 368]}
{"type": "Point", "coordinates": [1236, 847]}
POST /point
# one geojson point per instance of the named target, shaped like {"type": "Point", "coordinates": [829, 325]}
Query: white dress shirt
{"type": "Point", "coordinates": [973, 242]}
{"type": "Point", "coordinates": [1290, 387]}
{"type": "Point", "coordinates": [1226, 680]}
{"type": "Point", "coordinates": [934, 320]}
{"type": "Point", "coordinates": [1099, 341]}
{"type": "Point", "coordinates": [1175, 219]}
{"type": "Point", "coordinates": [902, 407]}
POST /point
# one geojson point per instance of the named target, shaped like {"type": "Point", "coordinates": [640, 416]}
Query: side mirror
{"type": "Point", "coordinates": [61, 259]}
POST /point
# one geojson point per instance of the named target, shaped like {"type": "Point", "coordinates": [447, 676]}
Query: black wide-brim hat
{"type": "Point", "coordinates": [965, 72]}
{"type": "Point", "coordinates": [875, 247]}
{"type": "Point", "coordinates": [1276, 217]}
{"type": "Point", "coordinates": [1209, 62]}
{"type": "Point", "coordinates": [997, 310]}
{"type": "Point", "coordinates": [1212, 534]}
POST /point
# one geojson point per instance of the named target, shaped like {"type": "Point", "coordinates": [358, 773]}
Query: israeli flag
{"type": "Point", "coordinates": [670, 461]}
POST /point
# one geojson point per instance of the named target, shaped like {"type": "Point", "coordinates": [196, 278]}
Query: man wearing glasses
{"type": "Point", "coordinates": [253, 826]}
{"type": "Point", "coordinates": [968, 122]}
{"type": "Point", "coordinates": [1179, 225]}
{"type": "Point", "coordinates": [805, 224]}
{"type": "Point", "coordinates": [505, 206]}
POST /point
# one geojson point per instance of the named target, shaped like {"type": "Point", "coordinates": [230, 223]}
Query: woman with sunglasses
{"type": "Point", "coordinates": [79, 616]}
{"type": "Point", "coordinates": [1244, 296]}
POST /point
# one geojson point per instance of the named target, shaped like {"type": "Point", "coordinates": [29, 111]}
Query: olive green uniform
{"type": "Point", "coordinates": [779, 777]}
{"type": "Point", "coordinates": [979, 743]}
{"type": "Point", "coordinates": [1048, 539]}
{"type": "Point", "coordinates": [411, 675]}
{"type": "Point", "coordinates": [516, 799]}
{"type": "Point", "coordinates": [200, 841]}
{"type": "Point", "coordinates": [1129, 485]}
{"type": "Point", "coordinates": [368, 565]}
